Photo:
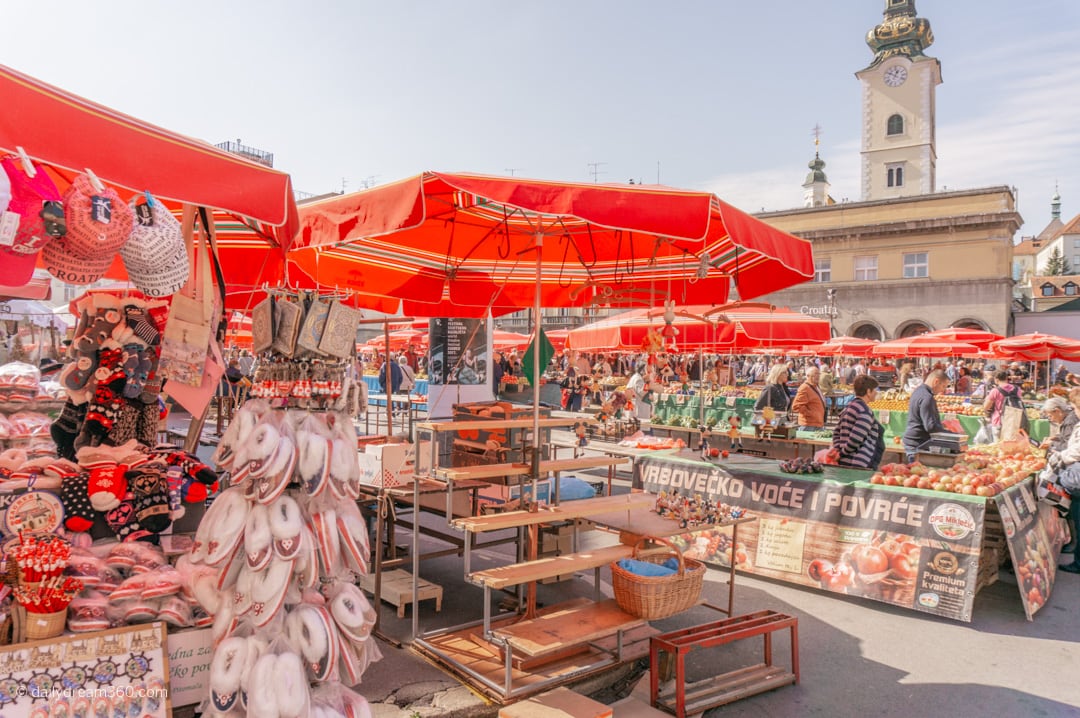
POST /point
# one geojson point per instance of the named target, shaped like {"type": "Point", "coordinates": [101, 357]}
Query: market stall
{"type": "Point", "coordinates": [877, 536]}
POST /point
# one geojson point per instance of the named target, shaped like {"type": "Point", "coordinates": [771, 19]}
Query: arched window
{"type": "Point", "coordinates": [895, 125]}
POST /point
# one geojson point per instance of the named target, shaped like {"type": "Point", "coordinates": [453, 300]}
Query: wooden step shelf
{"type": "Point", "coordinates": [685, 699]}
{"type": "Point", "coordinates": [491, 471]}
{"type": "Point", "coordinates": [440, 426]}
{"type": "Point", "coordinates": [518, 573]}
{"type": "Point", "coordinates": [564, 512]}
{"type": "Point", "coordinates": [559, 630]}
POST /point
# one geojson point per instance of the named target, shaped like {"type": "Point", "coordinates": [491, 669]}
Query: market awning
{"type": "Point", "coordinates": [69, 134]}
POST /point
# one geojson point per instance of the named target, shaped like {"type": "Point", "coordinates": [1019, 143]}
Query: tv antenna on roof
{"type": "Point", "coordinates": [595, 171]}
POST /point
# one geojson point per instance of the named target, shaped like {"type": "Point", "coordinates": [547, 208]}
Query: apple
{"type": "Point", "coordinates": [870, 559]}
{"type": "Point", "coordinates": [817, 568]}
{"type": "Point", "coordinates": [905, 565]}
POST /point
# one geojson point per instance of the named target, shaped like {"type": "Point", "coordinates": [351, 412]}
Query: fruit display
{"type": "Point", "coordinates": [714, 546]}
{"type": "Point", "coordinates": [955, 404]}
{"type": "Point", "coordinates": [801, 466]}
{"type": "Point", "coordinates": [891, 400]}
{"type": "Point", "coordinates": [985, 471]}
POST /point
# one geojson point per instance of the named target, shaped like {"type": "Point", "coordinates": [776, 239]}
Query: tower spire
{"type": "Point", "coordinates": [900, 33]}
{"type": "Point", "coordinates": [816, 186]}
{"type": "Point", "coordinates": [1055, 203]}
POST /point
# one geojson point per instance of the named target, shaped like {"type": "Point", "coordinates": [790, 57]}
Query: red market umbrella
{"type": "Point", "coordinates": [844, 346]}
{"type": "Point", "coordinates": [477, 237]}
{"type": "Point", "coordinates": [979, 337]}
{"type": "Point", "coordinates": [505, 341]}
{"type": "Point", "coordinates": [400, 339]}
{"type": "Point", "coordinates": [1037, 347]}
{"type": "Point", "coordinates": [70, 134]}
{"type": "Point", "coordinates": [748, 327]}
{"type": "Point", "coordinates": [923, 345]}
{"type": "Point", "coordinates": [557, 337]}
{"type": "Point", "coordinates": [628, 331]}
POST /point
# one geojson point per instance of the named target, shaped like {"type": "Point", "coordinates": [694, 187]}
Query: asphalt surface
{"type": "Point", "coordinates": [858, 658]}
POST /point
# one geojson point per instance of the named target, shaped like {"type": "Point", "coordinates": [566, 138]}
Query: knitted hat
{"type": "Point", "coordinates": [84, 254]}
{"type": "Point", "coordinates": [155, 256]}
{"type": "Point", "coordinates": [25, 199]}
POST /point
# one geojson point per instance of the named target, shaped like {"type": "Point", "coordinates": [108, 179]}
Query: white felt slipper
{"type": "Point", "coordinates": [268, 589]}
{"type": "Point", "coordinates": [279, 473]}
{"type": "Point", "coordinates": [261, 693]}
{"type": "Point", "coordinates": [257, 538]}
{"type": "Point", "coordinates": [325, 526]}
{"type": "Point", "coordinates": [291, 687]}
{"type": "Point", "coordinates": [307, 561]}
{"type": "Point", "coordinates": [312, 631]}
{"type": "Point", "coordinates": [342, 457]}
{"type": "Point", "coordinates": [314, 463]}
{"type": "Point", "coordinates": [260, 448]}
{"type": "Point", "coordinates": [355, 705]}
{"type": "Point", "coordinates": [353, 538]}
{"type": "Point", "coordinates": [225, 623]}
{"type": "Point", "coordinates": [227, 516]}
{"type": "Point", "coordinates": [349, 672]}
{"type": "Point", "coordinates": [226, 670]}
{"type": "Point", "coordinates": [241, 592]}
{"type": "Point", "coordinates": [352, 612]}
{"type": "Point", "coordinates": [229, 570]}
{"type": "Point", "coordinates": [286, 525]}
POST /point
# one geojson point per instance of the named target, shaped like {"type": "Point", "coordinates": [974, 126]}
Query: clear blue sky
{"type": "Point", "coordinates": [721, 93]}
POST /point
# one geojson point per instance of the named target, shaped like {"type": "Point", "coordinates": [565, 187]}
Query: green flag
{"type": "Point", "coordinates": [546, 352]}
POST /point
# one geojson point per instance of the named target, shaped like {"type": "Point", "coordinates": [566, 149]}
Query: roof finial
{"type": "Point", "coordinates": [1055, 203]}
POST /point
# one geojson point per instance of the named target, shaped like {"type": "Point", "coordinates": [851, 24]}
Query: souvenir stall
{"type": "Point", "coordinates": [103, 589]}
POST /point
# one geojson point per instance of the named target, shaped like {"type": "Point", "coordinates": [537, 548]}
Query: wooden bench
{"type": "Point", "coordinates": [683, 699]}
{"type": "Point", "coordinates": [575, 626]}
{"type": "Point", "coordinates": [563, 512]}
{"type": "Point", "coordinates": [397, 590]}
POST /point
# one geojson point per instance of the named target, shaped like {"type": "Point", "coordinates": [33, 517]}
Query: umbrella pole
{"type": "Point", "coordinates": [389, 385]}
{"type": "Point", "coordinates": [536, 377]}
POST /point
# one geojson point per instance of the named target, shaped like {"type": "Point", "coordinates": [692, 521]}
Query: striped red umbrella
{"type": "Point", "coordinates": [1037, 347]}
{"type": "Point", "coordinates": [923, 345]}
{"type": "Point", "coordinates": [979, 337]}
{"type": "Point", "coordinates": [844, 346]}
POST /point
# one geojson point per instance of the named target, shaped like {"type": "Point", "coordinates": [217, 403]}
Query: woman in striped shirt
{"type": "Point", "coordinates": [858, 438]}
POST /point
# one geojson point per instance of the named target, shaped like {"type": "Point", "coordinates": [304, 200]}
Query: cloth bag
{"type": "Point", "coordinates": [189, 330]}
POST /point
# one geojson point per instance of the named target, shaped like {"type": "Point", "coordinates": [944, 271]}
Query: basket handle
{"type": "Point", "coordinates": [671, 547]}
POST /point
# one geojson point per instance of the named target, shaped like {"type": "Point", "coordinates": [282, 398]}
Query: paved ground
{"type": "Point", "coordinates": [858, 658]}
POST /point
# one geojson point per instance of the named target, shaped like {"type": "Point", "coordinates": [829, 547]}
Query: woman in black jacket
{"type": "Point", "coordinates": [775, 392]}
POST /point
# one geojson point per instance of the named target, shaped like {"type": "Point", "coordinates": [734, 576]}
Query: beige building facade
{"type": "Point", "coordinates": [894, 268]}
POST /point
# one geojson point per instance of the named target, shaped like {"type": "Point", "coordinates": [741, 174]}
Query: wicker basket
{"type": "Point", "coordinates": [654, 597]}
{"type": "Point", "coordinates": [45, 625]}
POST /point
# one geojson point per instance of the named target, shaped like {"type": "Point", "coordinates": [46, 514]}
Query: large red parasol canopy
{"type": "Point", "coordinates": [473, 237]}
{"type": "Point", "coordinates": [1037, 347]}
{"type": "Point", "coordinates": [923, 345]}
{"type": "Point", "coordinates": [979, 337]}
{"type": "Point", "coordinates": [844, 346]}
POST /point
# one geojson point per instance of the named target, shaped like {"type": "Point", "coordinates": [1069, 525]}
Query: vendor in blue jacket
{"type": "Point", "coordinates": [923, 417]}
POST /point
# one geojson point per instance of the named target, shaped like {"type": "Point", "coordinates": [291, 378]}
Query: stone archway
{"type": "Point", "coordinates": [867, 330]}
{"type": "Point", "coordinates": [912, 329]}
{"type": "Point", "coordinates": [969, 323]}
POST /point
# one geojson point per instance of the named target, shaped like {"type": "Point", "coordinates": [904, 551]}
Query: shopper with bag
{"type": "Point", "coordinates": [408, 377]}
{"type": "Point", "coordinates": [1003, 394]}
{"type": "Point", "coordinates": [1065, 465]}
{"type": "Point", "coordinates": [859, 440]}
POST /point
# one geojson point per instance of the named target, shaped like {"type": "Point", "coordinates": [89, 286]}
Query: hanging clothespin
{"type": "Point", "coordinates": [27, 165]}
{"type": "Point", "coordinates": [149, 198]}
{"type": "Point", "coordinates": [94, 181]}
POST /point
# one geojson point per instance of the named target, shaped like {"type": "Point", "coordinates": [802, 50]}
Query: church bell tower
{"type": "Point", "coordinates": [899, 149]}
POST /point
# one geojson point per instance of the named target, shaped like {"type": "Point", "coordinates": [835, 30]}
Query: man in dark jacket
{"type": "Point", "coordinates": [923, 416]}
{"type": "Point", "coordinates": [395, 377]}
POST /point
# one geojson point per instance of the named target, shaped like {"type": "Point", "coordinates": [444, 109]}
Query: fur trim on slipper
{"type": "Point", "coordinates": [268, 591]}
{"type": "Point", "coordinates": [286, 525]}
{"type": "Point", "coordinates": [227, 516]}
{"type": "Point", "coordinates": [226, 670]}
{"type": "Point", "coordinates": [290, 687]}
{"type": "Point", "coordinates": [258, 540]}
{"type": "Point", "coordinates": [353, 613]}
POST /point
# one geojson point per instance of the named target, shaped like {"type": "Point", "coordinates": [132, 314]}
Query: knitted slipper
{"type": "Point", "coordinates": [353, 613]}
{"type": "Point", "coordinates": [162, 583]}
{"type": "Point", "coordinates": [141, 611]}
{"type": "Point", "coordinates": [286, 525]}
{"type": "Point", "coordinates": [258, 538]}
{"type": "Point", "coordinates": [226, 669]}
{"type": "Point", "coordinates": [176, 612]}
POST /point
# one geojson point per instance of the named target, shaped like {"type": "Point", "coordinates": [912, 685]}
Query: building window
{"type": "Point", "coordinates": [1070, 289]}
{"type": "Point", "coordinates": [1047, 290]}
{"type": "Point", "coordinates": [895, 125]}
{"type": "Point", "coordinates": [823, 270]}
{"type": "Point", "coordinates": [1076, 260]}
{"type": "Point", "coordinates": [916, 265]}
{"type": "Point", "coordinates": [1076, 243]}
{"type": "Point", "coordinates": [895, 175]}
{"type": "Point", "coordinates": [865, 268]}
